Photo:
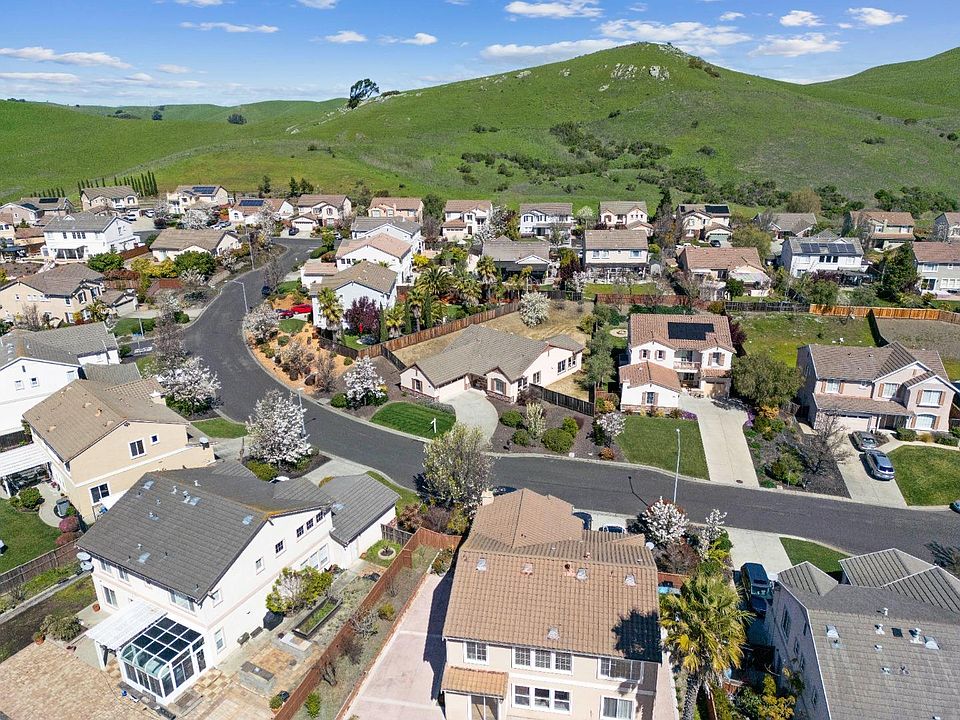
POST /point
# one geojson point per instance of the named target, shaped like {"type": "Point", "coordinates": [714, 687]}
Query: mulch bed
{"type": "Point", "coordinates": [583, 446]}
{"type": "Point", "coordinates": [764, 452]}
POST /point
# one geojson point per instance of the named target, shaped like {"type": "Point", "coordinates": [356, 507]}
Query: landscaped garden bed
{"type": "Point", "coordinates": [382, 553]}
{"type": "Point", "coordinates": [18, 631]}
{"type": "Point", "coordinates": [564, 431]}
{"type": "Point", "coordinates": [927, 475]}
{"type": "Point", "coordinates": [317, 617]}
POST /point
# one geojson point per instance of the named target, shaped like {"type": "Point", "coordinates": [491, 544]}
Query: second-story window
{"type": "Point", "coordinates": [931, 397]}
{"type": "Point", "coordinates": [888, 390]}
{"type": "Point", "coordinates": [832, 386]}
{"type": "Point", "coordinates": [476, 652]}
{"type": "Point", "coordinates": [278, 548]}
{"type": "Point", "coordinates": [136, 449]}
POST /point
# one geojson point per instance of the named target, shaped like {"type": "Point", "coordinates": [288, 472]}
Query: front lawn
{"type": "Point", "coordinates": [827, 559]}
{"type": "Point", "coordinates": [653, 441]}
{"type": "Point", "coordinates": [288, 287]}
{"type": "Point", "coordinates": [130, 326]}
{"type": "Point", "coordinates": [220, 428]}
{"type": "Point", "coordinates": [590, 290]}
{"type": "Point", "coordinates": [25, 535]}
{"type": "Point", "coordinates": [414, 419]}
{"type": "Point", "coordinates": [292, 326]}
{"type": "Point", "coordinates": [407, 496]}
{"type": "Point", "coordinates": [782, 333]}
{"type": "Point", "coordinates": [927, 475]}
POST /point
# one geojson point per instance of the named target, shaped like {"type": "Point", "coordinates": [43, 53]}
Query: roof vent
{"type": "Point", "coordinates": [186, 498]}
{"type": "Point", "coordinates": [915, 635]}
{"type": "Point", "coordinates": [248, 519]}
{"type": "Point", "coordinates": [553, 634]}
{"type": "Point", "coordinates": [153, 516]}
{"type": "Point", "coordinates": [527, 569]}
{"type": "Point", "coordinates": [903, 670]}
{"type": "Point", "coordinates": [883, 611]}
{"type": "Point", "coordinates": [185, 493]}
{"type": "Point", "coordinates": [832, 632]}
{"type": "Point", "coordinates": [196, 483]}
{"type": "Point", "coordinates": [482, 565]}
{"type": "Point", "coordinates": [836, 644]}
{"type": "Point", "coordinates": [143, 558]}
{"type": "Point", "coordinates": [630, 580]}
{"type": "Point", "coordinates": [148, 484]}
{"type": "Point", "coordinates": [158, 501]}
{"type": "Point", "coordinates": [878, 648]}
{"type": "Point", "coordinates": [139, 546]}
{"type": "Point", "coordinates": [897, 632]}
{"type": "Point", "coordinates": [582, 574]}
{"type": "Point", "coordinates": [931, 643]}
{"type": "Point", "coordinates": [174, 491]}
{"type": "Point", "coordinates": [879, 628]}
{"type": "Point", "coordinates": [885, 670]}
{"type": "Point", "coordinates": [194, 500]}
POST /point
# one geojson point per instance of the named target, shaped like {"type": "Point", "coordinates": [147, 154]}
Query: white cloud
{"type": "Point", "coordinates": [346, 36]}
{"type": "Point", "coordinates": [800, 18]}
{"type": "Point", "coordinates": [545, 53]}
{"type": "Point", "coordinates": [728, 16]}
{"type": "Point", "coordinates": [689, 36]}
{"type": "Point", "coordinates": [41, 77]}
{"type": "Point", "coordinates": [230, 27]}
{"type": "Point", "coordinates": [874, 17]}
{"type": "Point", "coordinates": [200, 3]}
{"type": "Point", "coordinates": [557, 9]}
{"type": "Point", "coordinates": [420, 38]}
{"type": "Point", "coordinates": [172, 69]}
{"type": "Point", "coordinates": [809, 44]}
{"type": "Point", "coordinates": [844, 26]}
{"type": "Point", "coordinates": [42, 54]}
{"type": "Point", "coordinates": [318, 4]}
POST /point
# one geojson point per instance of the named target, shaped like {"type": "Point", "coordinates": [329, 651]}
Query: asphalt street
{"type": "Point", "coordinates": [851, 526]}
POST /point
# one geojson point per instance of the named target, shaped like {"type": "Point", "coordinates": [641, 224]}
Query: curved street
{"type": "Point", "coordinates": [851, 526]}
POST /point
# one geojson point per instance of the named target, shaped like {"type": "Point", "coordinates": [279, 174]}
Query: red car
{"type": "Point", "coordinates": [303, 308]}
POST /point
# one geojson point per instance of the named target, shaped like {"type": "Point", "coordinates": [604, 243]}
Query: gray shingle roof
{"type": "Point", "coordinates": [61, 281]}
{"type": "Point", "coordinates": [506, 250]}
{"type": "Point", "coordinates": [847, 247]}
{"type": "Point", "coordinates": [112, 192]}
{"type": "Point", "coordinates": [80, 222]}
{"type": "Point", "coordinates": [369, 224]}
{"type": "Point", "coordinates": [808, 578]}
{"type": "Point", "coordinates": [879, 568]}
{"type": "Point", "coordinates": [370, 275]}
{"type": "Point", "coordinates": [188, 546]}
{"type": "Point", "coordinates": [794, 222]}
{"type": "Point", "coordinates": [65, 344]}
{"type": "Point", "coordinates": [112, 374]}
{"type": "Point", "coordinates": [843, 362]}
{"type": "Point", "coordinates": [358, 502]}
{"type": "Point", "coordinates": [548, 208]}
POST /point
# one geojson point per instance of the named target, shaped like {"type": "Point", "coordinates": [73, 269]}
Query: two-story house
{"type": "Point", "coordinates": [364, 280]}
{"type": "Point", "coordinates": [79, 236]}
{"type": "Point", "coordinates": [250, 210]}
{"type": "Point", "coordinates": [543, 219]}
{"type": "Point", "coordinates": [512, 257]}
{"type": "Point", "coordinates": [463, 218]}
{"type": "Point", "coordinates": [822, 254]}
{"type": "Point", "coordinates": [608, 253]}
{"type": "Point", "coordinates": [406, 230]}
{"type": "Point", "coordinates": [100, 439]}
{"type": "Point", "coordinates": [502, 363]}
{"type": "Point", "coordinates": [380, 249]}
{"type": "Point", "coordinates": [878, 228]}
{"type": "Point", "coordinates": [22, 212]}
{"type": "Point", "coordinates": [713, 266]}
{"type": "Point", "coordinates": [118, 198]}
{"type": "Point", "coordinates": [787, 225]}
{"type": "Point", "coordinates": [704, 222]}
{"type": "Point", "coordinates": [172, 242]}
{"type": "Point", "coordinates": [58, 293]}
{"type": "Point", "coordinates": [546, 618]}
{"type": "Point", "coordinates": [883, 643]}
{"type": "Point", "coordinates": [947, 226]}
{"type": "Point", "coordinates": [871, 388]}
{"type": "Point", "coordinates": [396, 207]}
{"type": "Point", "coordinates": [327, 210]}
{"type": "Point", "coordinates": [623, 214]}
{"type": "Point", "coordinates": [38, 210]}
{"type": "Point", "coordinates": [938, 266]}
{"type": "Point", "coordinates": [188, 197]}
{"type": "Point", "coordinates": [669, 353]}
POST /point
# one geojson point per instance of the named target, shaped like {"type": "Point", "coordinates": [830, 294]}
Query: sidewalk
{"type": "Point", "coordinates": [759, 547]}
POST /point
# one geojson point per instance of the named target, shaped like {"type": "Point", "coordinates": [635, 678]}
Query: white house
{"type": "Point", "coordinates": [396, 207]}
{"type": "Point", "coordinates": [945, 228]}
{"type": "Point", "coordinates": [172, 242]}
{"type": "Point", "coordinates": [187, 197]}
{"type": "Point", "coordinates": [696, 220]}
{"type": "Point", "coordinates": [325, 209]}
{"type": "Point", "coordinates": [504, 363]}
{"type": "Point", "coordinates": [361, 506]}
{"type": "Point", "coordinates": [541, 219]}
{"type": "Point", "coordinates": [118, 198]}
{"type": "Point", "coordinates": [608, 253]}
{"type": "Point", "coordinates": [464, 218]}
{"type": "Point", "coordinates": [823, 253]}
{"type": "Point", "coordinates": [409, 232]}
{"type": "Point", "coordinates": [623, 214]}
{"type": "Point", "coordinates": [316, 271]}
{"type": "Point", "coordinates": [381, 249]}
{"type": "Point", "coordinates": [248, 210]}
{"type": "Point", "coordinates": [365, 279]}
{"type": "Point", "coordinates": [81, 235]}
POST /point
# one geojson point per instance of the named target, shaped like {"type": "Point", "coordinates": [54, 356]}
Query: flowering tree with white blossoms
{"type": "Point", "coordinates": [663, 523]}
{"type": "Point", "coordinates": [608, 426]}
{"type": "Point", "coordinates": [191, 386]}
{"type": "Point", "coordinates": [261, 323]}
{"type": "Point", "coordinates": [275, 431]}
{"type": "Point", "coordinates": [534, 308]}
{"type": "Point", "coordinates": [195, 219]}
{"type": "Point", "coordinates": [711, 532]}
{"type": "Point", "coordinates": [578, 281]}
{"type": "Point", "coordinates": [364, 384]}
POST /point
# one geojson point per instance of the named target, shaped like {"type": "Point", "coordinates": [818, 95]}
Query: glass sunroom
{"type": "Point", "coordinates": [163, 658]}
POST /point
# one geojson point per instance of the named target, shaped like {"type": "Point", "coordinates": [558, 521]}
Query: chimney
{"type": "Point", "coordinates": [487, 497]}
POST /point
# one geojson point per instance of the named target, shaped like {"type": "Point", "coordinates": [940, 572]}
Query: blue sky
{"type": "Point", "coordinates": [234, 51]}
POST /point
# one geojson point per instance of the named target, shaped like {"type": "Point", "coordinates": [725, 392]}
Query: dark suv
{"type": "Point", "coordinates": [756, 586]}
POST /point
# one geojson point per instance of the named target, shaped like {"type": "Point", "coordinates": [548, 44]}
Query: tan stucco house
{"type": "Point", "coordinates": [58, 293]}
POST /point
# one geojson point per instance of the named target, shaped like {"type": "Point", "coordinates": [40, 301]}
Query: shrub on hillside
{"type": "Point", "coordinates": [512, 418]}
{"type": "Point", "coordinates": [558, 440]}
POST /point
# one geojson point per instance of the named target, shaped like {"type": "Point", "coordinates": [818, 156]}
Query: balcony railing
{"type": "Point", "coordinates": [686, 365]}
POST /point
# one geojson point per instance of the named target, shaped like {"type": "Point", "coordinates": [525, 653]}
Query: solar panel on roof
{"type": "Point", "coordinates": [688, 330]}
{"type": "Point", "coordinates": [717, 209]}
{"type": "Point", "coordinates": [204, 189]}
{"type": "Point", "coordinates": [250, 203]}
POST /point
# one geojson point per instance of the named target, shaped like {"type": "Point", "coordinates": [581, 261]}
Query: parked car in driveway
{"type": "Point", "coordinates": [301, 308]}
{"type": "Point", "coordinates": [879, 465]}
{"type": "Point", "coordinates": [863, 441]}
{"type": "Point", "coordinates": [756, 586]}
{"type": "Point", "coordinates": [615, 529]}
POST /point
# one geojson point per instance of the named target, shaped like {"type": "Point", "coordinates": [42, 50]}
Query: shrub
{"type": "Point", "coordinates": [604, 406]}
{"type": "Point", "coordinates": [125, 351]}
{"type": "Point", "coordinates": [66, 538]}
{"type": "Point", "coordinates": [283, 340]}
{"type": "Point", "coordinates": [69, 525]}
{"type": "Point", "coordinates": [787, 469]}
{"type": "Point", "coordinates": [512, 418]}
{"type": "Point", "coordinates": [386, 612]}
{"type": "Point", "coordinates": [520, 437]}
{"type": "Point", "coordinates": [955, 431]}
{"type": "Point", "coordinates": [339, 400]}
{"type": "Point", "coordinates": [264, 471]}
{"type": "Point", "coordinates": [558, 440]}
{"type": "Point", "coordinates": [442, 562]}
{"type": "Point", "coordinates": [62, 627]}
{"type": "Point", "coordinates": [312, 705]}
{"type": "Point", "coordinates": [906, 434]}
{"type": "Point", "coordinates": [30, 498]}
{"type": "Point", "coordinates": [946, 439]}
{"type": "Point", "coordinates": [570, 425]}
{"type": "Point", "coordinates": [607, 454]}
{"type": "Point", "coordinates": [347, 361]}
{"type": "Point", "coordinates": [768, 427]}
{"type": "Point", "coordinates": [268, 351]}
{"type": "Point", "coordinates": [276, 702]}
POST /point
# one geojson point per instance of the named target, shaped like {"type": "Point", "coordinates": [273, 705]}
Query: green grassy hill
{"type": "Point", "coordinates": [622, 108]}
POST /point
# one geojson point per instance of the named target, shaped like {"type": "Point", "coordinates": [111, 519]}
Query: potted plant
{"type": "Point", "coordinates": [276, 702]}
{"type": "Point", "coordinates": [96, 607]}
{"type": "Point", "coordinates": [38, 638]}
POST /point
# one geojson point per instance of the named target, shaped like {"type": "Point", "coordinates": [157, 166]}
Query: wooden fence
{"type": "Point", "coordinates": [889, 313]}
{"type": "Point", "coordinates": [784, 307]}
{"type": "Point", "coordinates": [649, 300]}
{"type": "Point", "coordinates": [403, 561]}
{"type": "Point", "coordinates": [63, 555]}
{"type": "Point", "coordinates": [584, 407]}
{"type": "Point", "coordinates": [395, 534]}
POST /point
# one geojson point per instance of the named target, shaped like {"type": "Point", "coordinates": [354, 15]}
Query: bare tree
{"type": "Point", "coordinates": [31, 318]}
{"type": "Point", "coordinates": [328, 673]}
{"type": "Point", "coordinates": [168, 348]}
{"type": "Point", "coordinates": [765, 220]}
{"type": "Point", "coordinates": [364, 624]}
{"type": "Point", "coordinates": [273, 273]}
{"type": "Point", "coordinates": [326, 376]}
{"type": "Point", "coordinates": [828, 442]}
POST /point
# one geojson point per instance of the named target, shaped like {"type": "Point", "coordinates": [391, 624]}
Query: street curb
{"type": "Point", "coordinates": [609, 463]}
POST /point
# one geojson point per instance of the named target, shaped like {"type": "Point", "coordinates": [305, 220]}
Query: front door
{"type": "Point", "coordinates": [483, 708]}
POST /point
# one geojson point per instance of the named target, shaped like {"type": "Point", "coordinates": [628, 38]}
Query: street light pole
{"type": "Point", "coordinates": [243, 287]}
{"type": "Point", "coordinates": [303, 422]}
{"type": "Point", "coordinates": [676, 477]}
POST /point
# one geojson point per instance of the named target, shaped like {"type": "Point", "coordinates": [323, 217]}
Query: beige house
{"type": "Point", "coordinates": [879, 227]}
{"type": "Point", "coordinates": [876, 388]}
{"type": "Point", "coordinates": [118, 198]}
{"type": "Point", "coordinates": [947, 226]}
{"type": "Point", "coordinates": [609, 253]}
{"type": "Point", "coordinates": [58, 294]}
{"type": "Point", "coordinates": [171, 242]}
{"type": "Point", "coordinates": [187, 197]}
{"type": "Point", "coordinates": [704, 222]}
{"type": "Point", "coordinates": [464, 218]}
{"type": "Point", "coordinates": [395, 207]}
{"type": "Point", "coordinates": [713, 266]}
{"type": "Point", "coordinates": [324, 209]}
{"type": "Point", "coordinates": [623, 214]}
{"type": "Point", "coordinates": [938, 266]}
{"type": "Point", "coordinates": [100, 439]}
{"type": "Point", "coordinates": [546, 618]}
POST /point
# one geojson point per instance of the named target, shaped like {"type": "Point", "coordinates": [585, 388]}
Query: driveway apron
{"type": "Point", "coordinates": [475, 410]}
{"type": "Point", "coordinates": [724, 444]}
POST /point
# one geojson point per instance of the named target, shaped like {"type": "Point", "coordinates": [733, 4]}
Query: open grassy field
{"type": "Point", "coordinates": [653, 441]}
{"type": "Point", "coordinates": [827, 559]}
{"type": "Point", "coordinates": [413, 419]}
{"type": "Point", "coordinates": [926, 334]}
{"type": "Point", "coordinates": [927, 475]}
{"type": "Point", "coordinates": [25, 535]}
{"type": "Point", "coordinates": [782, 333]}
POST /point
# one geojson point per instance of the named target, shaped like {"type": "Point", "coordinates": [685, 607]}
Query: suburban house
{"type": "Point", "coordinates": [172, 242]}
{"type": "Point", "coordinates": [315, 271]}
{"type": "Point", "coordinates": [938, 265]}
{"type": "Point", "coordinates": [118, 198]}
{"type": "Point", "coordinates": [365, 279]}
{"type": "Point", "coordinates": [824, 253]}
{"type": "Point", "coordinates": [704, 222]}
{"type": "Point", "coordinates": [879, 227]}
{"type": "Point", "coordinates": [184, 561]}
{"type": "Point", "coordinates": [396, 207]}
{"type": "Point", "coordinates": [787, 225]}
{"type": "Point", "coordinates": [22, 212]}
{"type": "Point", "coordinates": [187, 197]}
{"type": "Point", "coordinates": [464, 218]}
{"type": "Point", "coordinates": [36, 210]}
{"type": "Point", "coordinates": [871, 388]}
{"type": "Point", "coordinates": [623, 214]}
{"type": "Point", "coordinates": [713, 266]}
{"type": "Point", "coordinates": [547, 618]}
{"type": "Point", "coordinates": [883, 643]}
{"type": "Point", "coordinates": [100, 439]}
{"type": "Point", "coordinates": [405, 230]}
{"type": "Point", "coordinates": [541, 219]}
{"type": "Point", "coordinates": [59, 293]}
{"type": "Point", "coordinates": [361, 507]}
{"type": "Point", "coordinates": [380, 249]}
{"type": "Point", "coordinates": [668, 353]}
{"type": "Point", "coordinates": [608, 253]}
{"type": "Point", "coordinates": [325, 209]}
{"type": "Point", "coordinates": [81, 235]}
{"type": "Point", "coordinates": [945, 228]}
{"type": "Point", "coordinates": [511, 257]}
{"type": "Point", "coordinates": [500, 363]}
{"type": "Point", "coordinates": [306, 224]}
{"type": "Point", "coordinates": [248, 210]}
{"type": "Point", "coordinates": [8, 229]}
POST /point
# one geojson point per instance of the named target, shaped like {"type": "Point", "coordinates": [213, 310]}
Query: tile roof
{"type": "Point", "coordinates": [794, 222]}
{"type": "Point", "coordinates": [47, 204]}
{"type": "Point", "coordinates": [937, 252]}
{"type": "Point", "coordinates": [62, 280]}
{"type": "Point", "coordinates": [80, 222]}
{"type": "Point", "coordinates": [883, 216]}
{"type": "Point", "coordinates": [111, 192]}
{"type": "Point", "coordinates": [358, 502]}
{"type": "Point", "coordinates": [558, 208]}
{"type": "Point", "coordinates": [454, 225]}
{"type": "Point", "coordinates": [686, 332]}
{"type": "Point", "coordinates": [847, 404]}
{"type": "Point", "coordinates": [310, 200]}
{"type": "Point", "coordinates": [645, 373]}
{"type": "Point", "coordinates": [319, 268]}
{"type": "Point", "coordinates": [529, 575]}
{"type": "Point", "coordinates": [714, 210]}
{"type": "Point", "coordinates": [112, 374]}
{"type": "Point", "coordinates": [388, 244]}
{"type": "Point", "coordinates": [188, 546]}
{"type": "Point", "coordinates": [370, 275]}
{"type": "Point", "coordinates": [468, 681]}
{"type": "Point", "coordinates": [172, 239]}
{"type": "Point", "coordinates": [365, 225]}
{"type": "Point", "coordinates": [722, 258]}
{"type": "Point", "coordinates": [462, 206]}
{"type": "Point", "coordinates": [64, 344]}
{"type": "Point", "coordinates": [845, 362]}
{"type": "Point", "coordinates": [849, 247]}
{"type": "Point", "coordinates": [622, 207]}
{"type": "Point", "coordinates": [506, 250]}
{"type": "Point", "coordinates": [400, 203]}
{"type": "Point", "coordinates": [616, 239]}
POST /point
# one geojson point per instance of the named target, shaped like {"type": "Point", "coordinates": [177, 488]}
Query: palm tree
{"type": "Point", "coordinates": [331, 309]}
{"type": "Point", "coordinates": [435, 280]}
{"type": "Point", "coordinates": [415, 303]}
{"type": "Point", "coordinates": [394, 319]}
{"type": "Point", "coordinates": [514, 286]}
{"type": "Point", "coordinates": [705, 632]}
{"type": "Point", "coordinates": [487, 274]}
{"type": "Point", "coordinates": [469, 291]}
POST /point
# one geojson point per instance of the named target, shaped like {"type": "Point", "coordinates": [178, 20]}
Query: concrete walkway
{"type": "Point", "coordinates": [475, 410]}
{"type": "Point", "coordinates": [724, 444]}
{"type": "Point", "coordinates": [759, 547]}
{"type": "Point", "coordinates": [50, 497]}
{"type": "Point", "coordinates": [864, 488]}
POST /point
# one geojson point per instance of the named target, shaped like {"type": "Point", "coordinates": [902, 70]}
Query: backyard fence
{"type": "Point", "coordinates": [649, 300]}
{"type": "Point", "coordinates": [63, 555]}
{"type": "Point", "coordinates": [763, 307]}
{"type": "Point", "coordinates": [395, 534]}
{"type": "Point", "coordinates": [888, 313]}
{"type": "Point", "coordinates": [552, 397]}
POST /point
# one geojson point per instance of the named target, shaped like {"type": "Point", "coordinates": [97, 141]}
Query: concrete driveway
{"type": "Point", "coordinates": [475, 410]}
{"type": "Point", "coordinates": [724, 444]}
{"type": "Point", "coordinates": [864, 488]}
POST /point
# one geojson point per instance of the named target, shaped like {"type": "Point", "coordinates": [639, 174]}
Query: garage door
{"type": "Point", "coordinates": [854, 423]}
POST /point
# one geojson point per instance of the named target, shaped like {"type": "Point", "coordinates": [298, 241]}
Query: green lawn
{"type": "Point", "coordinates": [287, 287]}
{"type": "Point", "coordinates": [25, 535]}
{"type": "Point", "coordinates": [145, 363]}
{"type": "Point", "coordinates": [352, 341]}
{"type": "Point", "coordinates": [653, 441]}
{"type": "Point", "coordinates": [413, 419]}
{"type": "Point", "coordinates": [783, 333]}
{"type": "Point", "coordinates": [827, 559]}
{"type": "Point", "coordinates": [927, 475]}
{"type": "Point", "coordinates": [292, 325]}
{"type": "Point", "coordinates": [17, 634]}
{"type": "Point", "coordinates": [372, 556]}
{"type": "Point", "coordinates": [591, 289]}
{"type": "Point", "coordinates": [220, 428]}
{"type": "Point", "coordinates": [407, 496]}
{"type": "Point", "coordinates": [129, 326]}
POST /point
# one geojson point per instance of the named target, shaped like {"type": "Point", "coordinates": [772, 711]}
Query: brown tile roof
{"type": "Point", "coordinates": [843, 362]}
{"type": "Point", "coordinates": [311, 200]}
{"type": "Point", "coordinates": [461, 206]}
{"type": "Point", "coordinates": [28, 232]}
{"type": "Point", "coordinates": [650, 373]}
{"type": "Point", "coordinates": [454, 224]}
{"type": "Point", "coordinates": [529, 575]}
{"type": "Point", "coordinates": [503, 249]}
{"type": "Point", "coordinates": [371, 275]}
{"type": "Point", "coordinates": [616, 239]}
{"type": "Point", "coordinates": [467, 681]}
{"type": "Point", "coordinates": [622, 207]}
{"type": "Point", "coordinates": [400, 203]}
{"type": "Point", "coordinates": [681, 332]}
{"type": "Point", "coordinates": [318, 267]}
{"type": "Point", "coordinates": [558, 208]}
{"type": "Point", "coordinates": [111, 192]}
{"type": "Point", "coordinates": [844, 404]}
{"type": "Point", "coordinates": [883, 216]}
{"type": "Point", "coordinates": [61, 280]}
{"type": "Point", "coordinates": [937, 252]}
{"type": "Point", "coordinates": [381, 241]}
{"type": "Point", "coordinates": [711, 258]}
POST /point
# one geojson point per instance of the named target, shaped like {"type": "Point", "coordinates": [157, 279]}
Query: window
{"type": "Point", "coordinates": [541, 698]}
{"type": "Point", "coordinates": [888, 390]}
{"type": "Point", "coordinates": [218, 640]}
{"type": "Point", "coordinates": [300, 531]}
{"type": "Point", "coordinates": [319, 516]}
{"type": "Point", "coordinates": [542, 659]}
{"type": "Point", "coordinates": [521, 657]}
{"type": "Point", "coordinates": [785, 623]}
{"type": "Point", "coordinates": [18, 384]}
{"type": "Point", "coordinates": [309, 523]}
{"type": "Point", "coordinates": [181, 600]}
{"type": "Point", "coordinates": [717, 358]}
{"type": "Point", "coordinates": [634, 253]}
{"type": "Point", "coordinates": [278, 548]}
{"type": "Point", "coordinates": [649, 398]}
{"type": "Point", "coordinates": [34, 382]}
{"type": "Point", "coordinates": [536, 378]}
{"type": "Point", "coordinates": [109, 596]}
{"type": "Point", "coordinates": [931, 398]}
{"type": "Point", "coordinates": [154, 439]}
{"type": "Point", "coordinates": [106, 567]}
{"type": "Point", "coordinates": [621, 669]}
{"type": "Point", "coordinates": [217, 597]}
{"type": "Point", "coordinates": [562, 662]}
{"type": "Point", "coordinates": [561, 366]}
{"type": "Point", "coordinates": [616, 708]}
{"type": "Point", "coordinates": [521, 695]}
{"type": "Point", "coordinates": [476, 652]}
{"type": "Point", "coordinates": [418, 385]}
{"type": "Point", "coordinates": [573, 361]}
{"type": "Point", "coordinates": [259, 565]}
{"type": "Point", "coordinates": [832, 386]}
{"type": "Point", "coordinates": [498, 386]}
{"type": "Point", "coordinates": [124, 575]}
{"type": "Point", "coordinates": [99, 492]}
{"type": "Point", "coordinates": [644, 354]}
{"type": "Point", "coordinates": [136, 449]}
{"type": "Point", "coordinates": [561, 700]}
